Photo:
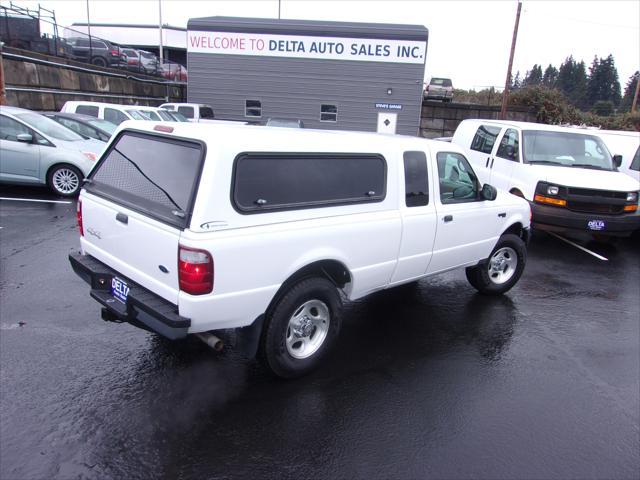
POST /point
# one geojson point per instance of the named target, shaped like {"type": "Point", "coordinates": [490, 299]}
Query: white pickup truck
{"type": "Point", "coordinates": [198, 113]}
{"type": "Point", "coordinates": [197, 228]}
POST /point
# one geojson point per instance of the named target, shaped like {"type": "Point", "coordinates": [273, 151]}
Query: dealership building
{"type": "Point", "coordinates": [331, 75]}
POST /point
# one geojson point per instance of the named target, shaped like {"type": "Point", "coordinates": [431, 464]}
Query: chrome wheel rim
{"type": "Point", "coordinates": [307, 329]}
{"type": "Point", "coordinates": [65, 180]}
{"type": "Point", "coordinates": [502, 265]}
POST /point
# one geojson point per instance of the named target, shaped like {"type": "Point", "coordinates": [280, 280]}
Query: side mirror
{"type": "Point", "coordinates": [489, 192]}
{"type": "Point", "coordinates": [24, 137]}
{"type": "Point", "coordinates": [617, 161]}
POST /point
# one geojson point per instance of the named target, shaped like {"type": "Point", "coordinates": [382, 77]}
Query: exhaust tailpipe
{"type": "Point", "coordinates": [211, 340]}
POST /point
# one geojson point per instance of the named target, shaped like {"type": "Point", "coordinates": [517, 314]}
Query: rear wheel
{"type": "Point", "coordinates": [502, 270]}
{"type": "Point", "coordinates": [301, 328]}
{"type": "Point", "coordinates": [64, 180]}
{"type": "Point", "coordinates": [99, 61]}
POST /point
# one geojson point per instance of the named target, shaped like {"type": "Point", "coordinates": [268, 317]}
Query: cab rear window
{"type": "Point", "coordinates": [154, 175]}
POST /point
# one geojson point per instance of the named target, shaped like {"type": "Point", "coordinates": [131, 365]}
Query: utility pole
{"type": "Point", "coordinates": [507, 83]}
{"type": "Point", "coordinates": [89, 32]}
{"type": "Point", "coordinates": [634, 104]}
{"type": "Point", "coordinates": [3, 97]}
{"type": "Point", "coordinates": [160, 18]}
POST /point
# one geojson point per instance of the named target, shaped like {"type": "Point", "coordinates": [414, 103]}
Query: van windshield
{"type": "Point", "coordinates": [565, 149]}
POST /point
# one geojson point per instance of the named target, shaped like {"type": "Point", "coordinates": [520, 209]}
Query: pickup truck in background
{"type": "Point", "coordinates": [567, 175]}
{"type": "Point", "coordinates": [198, 113]}
{"type": "Point", "coordinates": [197, 228]}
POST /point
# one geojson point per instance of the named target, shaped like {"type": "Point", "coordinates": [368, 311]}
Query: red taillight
{"type": "Point", "coordinates": [195, 271]}
{"type": "Point", "coordinates": [79, 217]}
{"type": "Point", "coordinates": [115, 53]}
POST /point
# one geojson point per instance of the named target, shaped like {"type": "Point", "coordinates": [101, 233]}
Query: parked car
{"type": "Point", "coordinates": [625, 144]}
{"type": "Point", "coordinates": [274, 258]}
{"type": "Point", "coordinates": [568, 175]}
{"type": "Point", "coordinates": [156, 114]}
{"type": "Point", "coordinates": [284, 122]}
{"type": "Point", "coordinates": [111, 112]}
{"type": "Point", "coordinates": [150, 62]}
{"type": "Point", "coordinates": [177, 116]}
{"type": "Point", "coordinates": [439, 89]}
{"type": "Point", "coordinates": [84, 125]}
{"type": "Point", "coordinates": [39, 151]}
{"type": "Point", "coordinates": [200, 113]}
{"type": "Point", "coordinates": [133, 59]}
{"type": "Point", "coordinates": [192, 111]}
{"type": "Point", "coordinates": [174, 72]}
{"type": "Point", "coordinates": [100, 52]}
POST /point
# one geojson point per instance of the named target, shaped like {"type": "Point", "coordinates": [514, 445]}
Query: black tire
{"type": "Point", "coordinates": [64, 180]}
{"type": "Point", "coordinates": [509, 249]}
{"type": "Point", "coordinates": [274, 351]}
{"type": "Point", "coordinates": [99, 61]}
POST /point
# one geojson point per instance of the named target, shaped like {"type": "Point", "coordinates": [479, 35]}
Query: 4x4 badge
{"type": "Point", "coordinates": [95, 233]}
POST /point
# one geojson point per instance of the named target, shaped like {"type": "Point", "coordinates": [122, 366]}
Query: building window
{"type": "Point", "coordinates": [328, 113]}
{"type": "Point", "coordinates": [252, 108]}
{"type": "Point", "coordinates": [285, 181]}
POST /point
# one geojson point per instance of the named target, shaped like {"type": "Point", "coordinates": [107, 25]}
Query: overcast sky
{"type": "Point", "coordinates": [469, 41]}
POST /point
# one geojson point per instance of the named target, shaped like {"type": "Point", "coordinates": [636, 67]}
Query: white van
{"type": "Point", "coordinates": [111, 112]}
{"type": "Point", "coordinates": [626, 144]}
{"type": "Point", "coordinates": [197, 228]}
{"type": "Point", "coordinates": [568, 175]}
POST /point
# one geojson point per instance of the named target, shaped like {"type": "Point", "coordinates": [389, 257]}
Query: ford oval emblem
{"type": "Point", "coordinates": [163, 269]}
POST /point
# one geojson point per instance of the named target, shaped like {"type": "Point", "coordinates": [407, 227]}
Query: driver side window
{"type": "Point", "coordinates": [458, 182]}
{"type": "Point", "coordinates": [10, 129]}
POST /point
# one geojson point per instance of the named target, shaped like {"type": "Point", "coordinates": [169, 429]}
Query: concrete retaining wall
{"type": "Point", "coordinates": [37, 83]}
{"type": "Point", "coordinates": [441, 119]}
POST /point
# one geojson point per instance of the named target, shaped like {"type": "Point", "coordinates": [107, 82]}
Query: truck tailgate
{"type": "Point", "coordinates": [135, 204]}
{"type": "Point", "coordinates": [138, 247]}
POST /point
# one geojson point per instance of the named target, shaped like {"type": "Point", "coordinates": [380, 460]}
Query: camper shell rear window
{"type": "Point", "coordinates": [153, 174]}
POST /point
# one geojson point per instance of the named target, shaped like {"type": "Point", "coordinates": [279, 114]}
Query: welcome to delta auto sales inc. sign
{"type": "Point", "coordinates": [294, 46]}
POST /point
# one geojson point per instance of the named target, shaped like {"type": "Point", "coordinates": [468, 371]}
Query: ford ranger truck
{"type": "Point", "coordinates": [198, 229]}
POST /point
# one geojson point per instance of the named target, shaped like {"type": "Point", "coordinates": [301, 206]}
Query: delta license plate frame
{"type": "Point", "coordinates": [596, 225]}
{"type": "Point", "coordinates": [119, 289]}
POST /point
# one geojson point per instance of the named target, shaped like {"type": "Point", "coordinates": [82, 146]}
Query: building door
{"type": "Point", "coordinates": [387, 122]}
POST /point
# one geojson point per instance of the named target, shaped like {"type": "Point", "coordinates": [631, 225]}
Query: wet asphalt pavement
{"type": "Point", "coordinates": [427, 381]}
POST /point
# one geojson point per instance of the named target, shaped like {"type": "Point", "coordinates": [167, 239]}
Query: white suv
{"type": "Point", "coordinates": [196, 228]}
{"type": "Point", "coordinates": [111, 112]}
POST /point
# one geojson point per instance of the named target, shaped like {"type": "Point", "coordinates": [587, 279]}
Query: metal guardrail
{"type": "Point", "coordinates": [88, 70]}
{"type": "Point", "coordinates": [56, 91]}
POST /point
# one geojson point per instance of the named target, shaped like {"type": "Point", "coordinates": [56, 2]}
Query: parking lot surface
{"type": "Point", "coordinates": [428, 380]}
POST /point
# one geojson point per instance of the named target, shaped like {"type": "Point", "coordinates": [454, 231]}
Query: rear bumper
{"type": "Point", "coordinates": [143, 309]}
{"type": "Point", "coordinates": [562, 220]}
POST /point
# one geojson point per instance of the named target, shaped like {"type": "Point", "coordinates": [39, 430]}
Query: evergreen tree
{"type": "Point", "coordinates": [533, 77]}
{"type": "Point", "coordinates": [578, 95]}
{"type": "Point", "coordinates": [516, 83]}
{"type": "Point", "coordinates": [550, 77]}
{"type": "Point", "coordinates": [603, 81]}
{"type": "Point", "coordinates": [630, 91]}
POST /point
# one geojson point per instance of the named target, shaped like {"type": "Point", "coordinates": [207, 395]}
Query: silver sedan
{"type": "Point", "coordinates": [36, 150]}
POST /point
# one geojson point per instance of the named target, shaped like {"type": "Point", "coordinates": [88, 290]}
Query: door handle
{"type": "Point", "coordinates": [448, 218]}
{"type": "Point", "coordinates": [492, 160]}
{"type": "Point", "coordinates": [487, 164]}
{"type": "Point", "coordinates": [503, 215]}
{"type": "Point", "coordinates": [122, 218]}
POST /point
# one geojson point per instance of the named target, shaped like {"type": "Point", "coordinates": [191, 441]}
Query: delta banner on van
{"type": "Point", "coordinates": [295, 46]}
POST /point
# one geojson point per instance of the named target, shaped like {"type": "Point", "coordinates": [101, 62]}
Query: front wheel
{"type": "Point", "coordinates": [502, 270]}
{"type": "Point", "coordinates": [64, 180]}
{"type": "Point", "coordinates": [301, 328]}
